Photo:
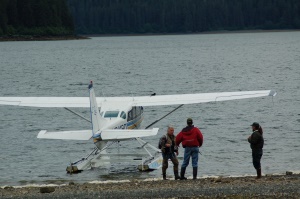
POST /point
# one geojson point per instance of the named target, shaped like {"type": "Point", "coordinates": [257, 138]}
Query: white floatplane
{"type": "Point", "coordinates": [118, 119]}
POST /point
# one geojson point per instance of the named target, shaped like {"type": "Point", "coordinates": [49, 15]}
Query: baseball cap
{"type": "Point", "coordinates": [189, 121]}
{"type": "Point", "coordinates": [255, 124]}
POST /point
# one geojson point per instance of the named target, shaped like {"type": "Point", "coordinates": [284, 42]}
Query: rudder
{"type": "Point", "coordinates": [96, 119]}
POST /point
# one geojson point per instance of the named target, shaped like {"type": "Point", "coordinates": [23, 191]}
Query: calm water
{"type": "Point", "coordinates": [128, 66]}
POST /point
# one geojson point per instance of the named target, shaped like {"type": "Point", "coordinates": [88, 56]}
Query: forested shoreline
{"type": "Point", "coordinates": [55, 18]}
{"type": "Point", "coordinates": [35, 18]}
{"type": "Point", "coordinates": [182, 16]}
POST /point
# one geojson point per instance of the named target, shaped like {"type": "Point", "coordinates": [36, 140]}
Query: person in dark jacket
{"type": "Point", "coordinates": [168, 149]}
{"type": "Point", "coordinates": [191, 139]}
{"type": "Point", "coordinates": [256, 141]}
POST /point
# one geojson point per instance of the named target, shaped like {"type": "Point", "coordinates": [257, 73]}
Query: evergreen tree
{"type": "Point", "coordinates": [171, 16]}
{"type": "Point", "coordinates": [35, 17]}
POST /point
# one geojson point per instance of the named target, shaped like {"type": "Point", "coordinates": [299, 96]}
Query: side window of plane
{"type": "Point", "coordinates": [110, 114]}
{"type": "Point", "coordinates": [123, 115]}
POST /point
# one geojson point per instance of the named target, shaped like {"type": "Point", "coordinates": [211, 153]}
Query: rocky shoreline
{"type": "Point", "coordinates": [87, 36]}
{"type": "Point", "coordinates": [272, 186]}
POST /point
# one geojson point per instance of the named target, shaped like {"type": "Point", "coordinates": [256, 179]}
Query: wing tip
{"type": "Point", "coordinates": [272, 93]}
{"type": "Point", "coordinates": [41, 133]}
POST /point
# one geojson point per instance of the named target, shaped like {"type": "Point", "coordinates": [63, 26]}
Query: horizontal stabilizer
{"type": "Point", "coordinates": [66, 135]}
{"type": "Point", "coordinates": [124, 134]}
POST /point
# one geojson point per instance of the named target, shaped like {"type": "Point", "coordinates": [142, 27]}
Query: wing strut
{"type": "Point", "coordinates": [164, 116]}
{"type": "Point", "coordinates": [77, 114]}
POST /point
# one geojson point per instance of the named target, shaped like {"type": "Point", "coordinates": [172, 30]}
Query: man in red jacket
{"type": "Point", "coordinates": [191, 139]}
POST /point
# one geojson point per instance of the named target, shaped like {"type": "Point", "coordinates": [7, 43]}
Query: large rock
{"type": "Point", "coordinates": [289, 173]}
{"type": "Point", "coordinates": [47, 189]}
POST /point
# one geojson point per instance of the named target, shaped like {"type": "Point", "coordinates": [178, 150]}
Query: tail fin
{"type": "Point", "coordinates": [97, 121]}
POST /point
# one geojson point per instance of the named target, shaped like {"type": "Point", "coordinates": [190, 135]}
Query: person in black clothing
{"type": "Point", "coordinates": [256, 141]}
{"type": "Point", "coordinates": [168, 149]}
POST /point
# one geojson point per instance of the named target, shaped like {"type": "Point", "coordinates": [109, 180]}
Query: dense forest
{"type": "Point", "coordinates": [35, 17]}
{"type": "Point", "coordinates": [58, 17]}
{"type": "Point", "coordinates": [182, 16]}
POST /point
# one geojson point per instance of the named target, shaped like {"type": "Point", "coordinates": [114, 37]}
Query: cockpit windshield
{"type": "Point", "coordinates": [123, 115]}
{"type": "Point", "coordinates": [111, 114]}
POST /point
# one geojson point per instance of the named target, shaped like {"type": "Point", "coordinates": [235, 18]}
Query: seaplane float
{"type": "Point", "coordinates": [115, 119]}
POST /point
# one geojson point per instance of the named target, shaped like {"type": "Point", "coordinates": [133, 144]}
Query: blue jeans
{"type": "Point", "coordinates": [190, 152]}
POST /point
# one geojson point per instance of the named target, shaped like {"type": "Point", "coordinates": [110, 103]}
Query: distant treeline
{"type": "Point", "coordinates": [35, 17]}
{"type": "Point", "coordinates": [180, 16]}
{"type": "Point", "coordinates": [53, 17]}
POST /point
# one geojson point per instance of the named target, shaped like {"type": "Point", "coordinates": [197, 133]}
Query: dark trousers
{"type": "Point", "coordinates": [256, 157]}
{"type": "Point", "coordinates": [173, 158]}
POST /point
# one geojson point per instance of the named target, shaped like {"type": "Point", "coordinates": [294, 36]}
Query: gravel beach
{"type": "Point", "coordinates": [273, 186]}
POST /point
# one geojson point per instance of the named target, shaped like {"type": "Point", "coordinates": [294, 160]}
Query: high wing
{"type": "Point", "coordinates": [46, 101]}
{"type": "Point", "coordinates": [199, 98]}
{"type": "Point", "coordinates": [109, 135]}
{"type": "Point", "coordinates": [157, 100]}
